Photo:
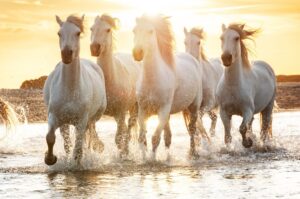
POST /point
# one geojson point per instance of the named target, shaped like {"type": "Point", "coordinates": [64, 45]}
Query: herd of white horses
{"type": "Point", "coordinates": [153, 80]}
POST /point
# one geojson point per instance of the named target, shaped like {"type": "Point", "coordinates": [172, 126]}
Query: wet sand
{"type": "Point", "coordinates": [288, 97]}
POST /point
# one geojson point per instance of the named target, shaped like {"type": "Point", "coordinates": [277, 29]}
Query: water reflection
{"type": "Point", "coordinates": [219, 173]}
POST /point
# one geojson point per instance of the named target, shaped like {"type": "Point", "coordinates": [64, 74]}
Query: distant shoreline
{"type": "Point", "coordinates": [31, 101]}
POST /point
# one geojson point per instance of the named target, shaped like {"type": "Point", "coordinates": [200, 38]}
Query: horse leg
{"type": "Point", "coordinates": [121, 129]}
{"type": "Point", "coordinates": [200, 127]}
{"type": "Point", "coordinates": [81, 129]}
{"type": "Point", "coordinates": [50, 158]}
{"type": "Point", "coordinates": [213, 116]}
{"type": "Point", "coordinates": [245, 127]}
{"type": "Point", "coordinates": [163, 117]}
{"type": "Point", "coordinates": [266, 122]}
{"type": "Point", "coordinates": [191, 114]}
{"type": "Point", "coordinates": [65, 133]}
{"type": "Point", "coordinates": [167, 135]}
{"type": "Point", "coordinates": [226, 119]}
{"type": "Point", "coordinates": [142, 117]}
{"type": "Point", "coordinates": [132, 122]}
{"type": "Point", "coordinates": [94, 142]}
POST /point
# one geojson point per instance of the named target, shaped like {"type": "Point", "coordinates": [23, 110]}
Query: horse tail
{"type": "Point", "coordinates": [276, 106]}
{"type": "Point", "coordinates": [8, 115]}
{"type": "Point", "coordinates": [187, 119]}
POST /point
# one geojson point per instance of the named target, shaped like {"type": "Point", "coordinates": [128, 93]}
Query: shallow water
{"type": "Point", "coordinates": [218, 173]}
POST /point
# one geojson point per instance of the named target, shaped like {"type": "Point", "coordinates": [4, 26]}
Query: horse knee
{"type": "Point", "coordinates": [155, 142]}
{"type": "Point", "coordinates": [243, 129]}
{"type": "Point", "coordinates": [50, 137]}
{"type": "Point", "coordinates": [168, 140]}
{"type": "Point", "coordinates": [142, 138]}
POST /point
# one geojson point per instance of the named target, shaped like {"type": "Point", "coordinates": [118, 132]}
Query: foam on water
{"type": "Point", "coordinates": [29, 143]}
{"type": "Point", "coordinates": [220, 172]}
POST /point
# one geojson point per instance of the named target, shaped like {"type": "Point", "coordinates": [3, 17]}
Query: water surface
{"type": "Point", "coordinates": [218, 173]}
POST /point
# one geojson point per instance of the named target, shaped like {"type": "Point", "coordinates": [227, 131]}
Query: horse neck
{"type": "Point", "coordinates": [151, 63]}
{"type": "Point", "coordinates": [105, 60]}
{"type": "Point", "coordinates": [71, 75]}
{"type": "Point", "coordinates": [202, 61]}
{"type": "Point", "coordinates": [234, 73]}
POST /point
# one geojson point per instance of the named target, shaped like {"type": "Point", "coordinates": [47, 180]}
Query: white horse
{"type": "Point", "coordinates": [121, 73]}
{"type": "Point", "coordinates": [212, 72]}
{"type": "Point", "coordinates": [168, 84]}
{"type": "Point", "coordinates": [74, 93]}
{"type": "Point", "coordinates": [245, 89]}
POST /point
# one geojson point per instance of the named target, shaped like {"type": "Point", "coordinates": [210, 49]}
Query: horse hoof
{"type": "Point", "coordinates": [50, 160]}
{"type": "Point", "coordinates": [99, 147]}
{"type": "Point", "coordinates": [247, 143]}
{"type": "Point", "coordinates": [194, 155]}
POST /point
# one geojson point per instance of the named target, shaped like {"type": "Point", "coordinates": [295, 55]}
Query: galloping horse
{"type": "Point", "coordinates": [121, 73]}
{"type": "Point", "coordinates": [212, 72]}
{"type": "Point", "coordinates": [74, 93]}
{"type": "Point", "coordinates": [168, 84]}
{"type": "Point", "coordinates": [244, 89]}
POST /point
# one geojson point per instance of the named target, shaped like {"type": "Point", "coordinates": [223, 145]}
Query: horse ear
{"type": "Point", "coordinates": [117, 23]}
{"type": "Point", "coordinates": [242, 26]}
{"type": "Point", "coordinates": [58, 20]}
{"type": "Point", "coordinates": [185, 31]}
{"type": "Point", "coordinates": [82, 18]}
{"type": "Point", "coordinates": [223, 27]}
{"type": "Point", "coordinates": [97, 17]}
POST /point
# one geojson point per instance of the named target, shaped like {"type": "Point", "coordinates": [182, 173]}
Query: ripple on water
{"type": "Point", "coordinates": [232, 171]}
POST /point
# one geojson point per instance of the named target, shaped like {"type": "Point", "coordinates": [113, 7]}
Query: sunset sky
{"type": "Point", "coordinates": [29, 42]}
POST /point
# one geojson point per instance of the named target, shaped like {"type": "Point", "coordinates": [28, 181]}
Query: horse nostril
{"type": "Point", "coordinates": [138, 54]}
{"type": "Point", "coordinates": [95, 49]}
{"type": "Point", "coordinates": [227, 59]}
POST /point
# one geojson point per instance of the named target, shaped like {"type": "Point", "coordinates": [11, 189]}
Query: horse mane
{"type": "Point", "coordinates": [164, 34]}
{"type": "Point", "coordinates": [199, 33]}
{"type": "Point", "coordinates": [77, 21]}
{"type": "Point", "coordinates": [110, 20]}
{"type": "Point", "coordinates": [245, 33]}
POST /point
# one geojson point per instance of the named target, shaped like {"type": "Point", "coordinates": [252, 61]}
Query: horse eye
{"type": "Point", "coordinates": [108, 30]}
{"type": "Point", "coordinates": [222, 38]}
{"type": "Point", "coordinates": [59, 34]}
{"type": "Point", "coordinates": [198, 43]}
{"type": "Point", "coordinates": [78, 34]}
{"type": "Point", "coordinates": [237, 38]}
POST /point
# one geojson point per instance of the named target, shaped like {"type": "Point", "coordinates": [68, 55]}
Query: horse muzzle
{"type": "Point", "coordinates": [138, 54]}
{"type": "Point", "coordinates": [95, 49]}
{"type": "Point", "coordinates": [226, 59]}
{"type": "Point", "coordinates": [67, 55]}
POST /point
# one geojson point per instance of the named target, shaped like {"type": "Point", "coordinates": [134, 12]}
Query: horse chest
{"type": "Point", "coordinates": [232, 103]}
{"type": "Point", "coordinates": [70, 112]}
{"type": "Point", "coordinates": [117, 100]}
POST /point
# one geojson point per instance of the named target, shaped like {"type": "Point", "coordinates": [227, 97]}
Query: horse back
{"type": "Point", "coordinates": [265, 84]}
{"type": "Point", "coordinates": [188, 82]}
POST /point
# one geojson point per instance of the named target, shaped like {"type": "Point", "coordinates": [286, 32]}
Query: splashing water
{"type": "Point", "coordinates": [233, 172]}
